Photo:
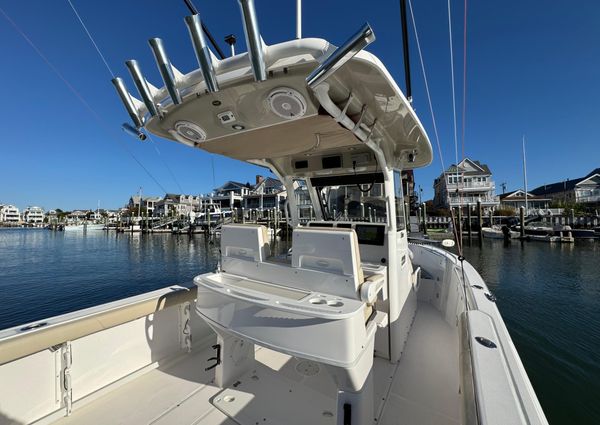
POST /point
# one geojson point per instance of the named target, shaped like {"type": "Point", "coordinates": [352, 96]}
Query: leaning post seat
{"type": "Point", "coordinates": [315, 308]}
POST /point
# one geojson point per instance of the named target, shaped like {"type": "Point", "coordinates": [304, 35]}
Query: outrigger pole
{"type": "Point", "coordinates": [404, 23]}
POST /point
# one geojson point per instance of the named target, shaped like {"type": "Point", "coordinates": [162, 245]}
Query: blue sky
{"type": "Point", "coordinates": [533, 68]}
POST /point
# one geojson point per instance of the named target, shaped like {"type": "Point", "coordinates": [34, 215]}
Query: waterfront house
{"type": "Point", "coordinates": [9, 214]}
{"type": "Point", "coordinates": [265, 194]}
{"type": "Point", "coordinates": [584, 190]}
{"type": "Point", "coordinates": [229, 195]}
{"type": "Point", "coordinates": [516, 199]}
{"type": "Point", "coordinates": [148, 203]}
{"type": "Point", "coordinates": [176, 205]}
{"type": "Point", "coordinates": [465, 184]}
{"type": "Point", "coordinates": [33, 215]}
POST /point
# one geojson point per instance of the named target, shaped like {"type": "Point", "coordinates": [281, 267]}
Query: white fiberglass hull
{"type": "Point", "coordinates": [497, 233]}
{"type": "Point", "coordinates": [83, 227]}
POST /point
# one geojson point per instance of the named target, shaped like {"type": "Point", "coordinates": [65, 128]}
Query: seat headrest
{"type": "Point", "coordinates": [332, 250]}
{"type": "Point", "coordinates": [245, 241]}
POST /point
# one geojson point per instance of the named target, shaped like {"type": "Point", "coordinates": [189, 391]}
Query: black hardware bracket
{"type": "Point", "coordinates": [216, 359]}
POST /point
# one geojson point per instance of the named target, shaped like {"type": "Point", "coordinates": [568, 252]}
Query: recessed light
{"type": "Point", "coordinates": [238, 127]}
{"type": "Point", "coordinates": [216, 103]}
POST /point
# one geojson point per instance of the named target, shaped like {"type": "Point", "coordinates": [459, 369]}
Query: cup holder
{"type": "Point", "coordinates": [317, 301]}
{"type": "Point", "coordinates": [335, 303]}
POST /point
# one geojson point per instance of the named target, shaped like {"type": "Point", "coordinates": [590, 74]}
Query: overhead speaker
{"type": "Point", "coordinates": [190, 131]}
{"type": "Point", "coordinates": [287, 103]}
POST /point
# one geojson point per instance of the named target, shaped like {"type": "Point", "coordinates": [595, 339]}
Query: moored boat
{"type": "Point", "coordinates": [356, 326]}
{"type": "Point", "coordinates": [499, 232]}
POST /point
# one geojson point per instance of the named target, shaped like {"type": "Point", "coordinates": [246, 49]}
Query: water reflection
{"type": "Point", "coordinates": [44, 273]}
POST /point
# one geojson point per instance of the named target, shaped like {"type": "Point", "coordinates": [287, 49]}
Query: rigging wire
{"type": "Point", "coordinates": [452, 79]}
{"type": "Point", "coordinates": [76, 93]}
{"type": "Point", "coordinates": [435, 130]}
{"type": "Point", "coordinates": [464, 99]}
{"type": "Point", "coordinates": [458, 179]}
{"type": "Point", "coordinates": [154, 144]}
{"type": "Point", "coordinates": [457, 226]}
{"type": "Point", "coordinates": [91, 38]}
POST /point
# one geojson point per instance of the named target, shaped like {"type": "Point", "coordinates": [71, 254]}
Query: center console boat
{"type": "Point", "coordinates": [356, 325]}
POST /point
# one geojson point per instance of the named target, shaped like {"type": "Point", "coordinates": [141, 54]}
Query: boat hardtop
{"type": "Point", "coordinates": [355, 326]}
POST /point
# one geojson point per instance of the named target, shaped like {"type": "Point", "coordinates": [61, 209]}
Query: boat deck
{"type": "Point", "coordinates": [421, 389]}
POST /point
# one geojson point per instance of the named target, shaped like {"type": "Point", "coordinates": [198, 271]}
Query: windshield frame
{"type": "Point", "coordinates": [364, 183]}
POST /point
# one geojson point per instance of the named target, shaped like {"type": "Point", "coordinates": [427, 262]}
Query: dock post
{"type": "Point", "coordinates": [460, 227]}
{"type": "Point", "coordinates": [479, 222]}
{"type": "Point", "coordinates": [522, 217]}
{"type": "Point", "coordinates": [424, 219]}
{"type": "Point", "coordinates": [469, 221]}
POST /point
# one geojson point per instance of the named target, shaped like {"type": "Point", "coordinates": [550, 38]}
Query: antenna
{"type": "Point", "coordinates": [230, 39]}
{"type": "Point", "coordinates": [212, 40]}
{"type": "Point", "coordinates": [405, 49]}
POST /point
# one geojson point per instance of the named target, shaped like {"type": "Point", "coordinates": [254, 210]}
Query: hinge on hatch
{"type": "Point", "coordinates": [66, 358]}
{"type": "Point", "coordinates": [185, 329]}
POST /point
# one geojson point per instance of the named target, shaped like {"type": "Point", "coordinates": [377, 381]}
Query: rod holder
{"type": "Point", "coordinates": [131, 130]}
{"type": "Point", "coordinates": [165, 68]}
{"type": "Point", "coordinates": [202, 52]}
{"type": "Point", "coordinates": [127, 101]}
{"type": "Point", "coordinates": [361, 39]}
{"type": "Point", "coordinates": [142, 86]}
{"type": "Point", "coordinates": [253, 40]}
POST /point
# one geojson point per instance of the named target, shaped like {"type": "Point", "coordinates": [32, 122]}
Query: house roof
{"type": "Point", "coordinates": [562, 186]}
{"type": "Point", "coordinates": [519, 195]}
{"type": "Point", "coordinates": [230, 184]}
{"type": "Point", "coordinates": [469, 167]}
{"type": "Point", "coordinates": [269, 183]}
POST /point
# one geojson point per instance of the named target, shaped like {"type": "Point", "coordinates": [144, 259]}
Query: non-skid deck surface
{"type": "Point", "coordinates": [426, 382]}
{"type": "Point", "coordinates": [421, 389]}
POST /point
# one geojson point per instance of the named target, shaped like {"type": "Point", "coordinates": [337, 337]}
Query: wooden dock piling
{"type": "Point", "coordinates": [522, 217]}
{"type": "Point", "coordinates": [479, 222]}
{"type": "Point", "coordinates": [469, 221]}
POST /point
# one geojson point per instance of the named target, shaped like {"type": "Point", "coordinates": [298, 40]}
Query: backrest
{"type": "Point", "coordinates": [245, 242]}
{"type": "Point", "coordinates": [330, 250]}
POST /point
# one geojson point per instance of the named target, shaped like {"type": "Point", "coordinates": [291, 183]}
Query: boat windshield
{"type": "Point", "coordinates": [352, 198]}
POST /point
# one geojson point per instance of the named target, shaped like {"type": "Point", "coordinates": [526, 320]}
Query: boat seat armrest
{"type": "Point", "coordinates": [371, 287]}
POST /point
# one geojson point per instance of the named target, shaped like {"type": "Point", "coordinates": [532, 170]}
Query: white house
{"type": "Point", "coordinates": [516, 199]}
{"type": "Point", "coordinates": [465, 185]}
{"type": "Point", "coordinates": [9, 214]}
{"type": "Point", "coordinates": [33, 215]}
{"type": "Point", "coordinates": [176, 204]}
{"type": "Point", "coordinates": [583, 190]}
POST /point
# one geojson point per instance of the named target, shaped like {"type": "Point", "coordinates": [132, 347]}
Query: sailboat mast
{"type": "Point", "coordinates": [525, 174]}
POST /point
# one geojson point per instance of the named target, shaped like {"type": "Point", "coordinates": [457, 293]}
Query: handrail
{"type": "Point", "coordinates": [22, 341]}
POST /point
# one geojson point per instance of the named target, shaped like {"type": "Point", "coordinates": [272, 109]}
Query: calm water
{"type": "Point", "coordinates": [549, 295]}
